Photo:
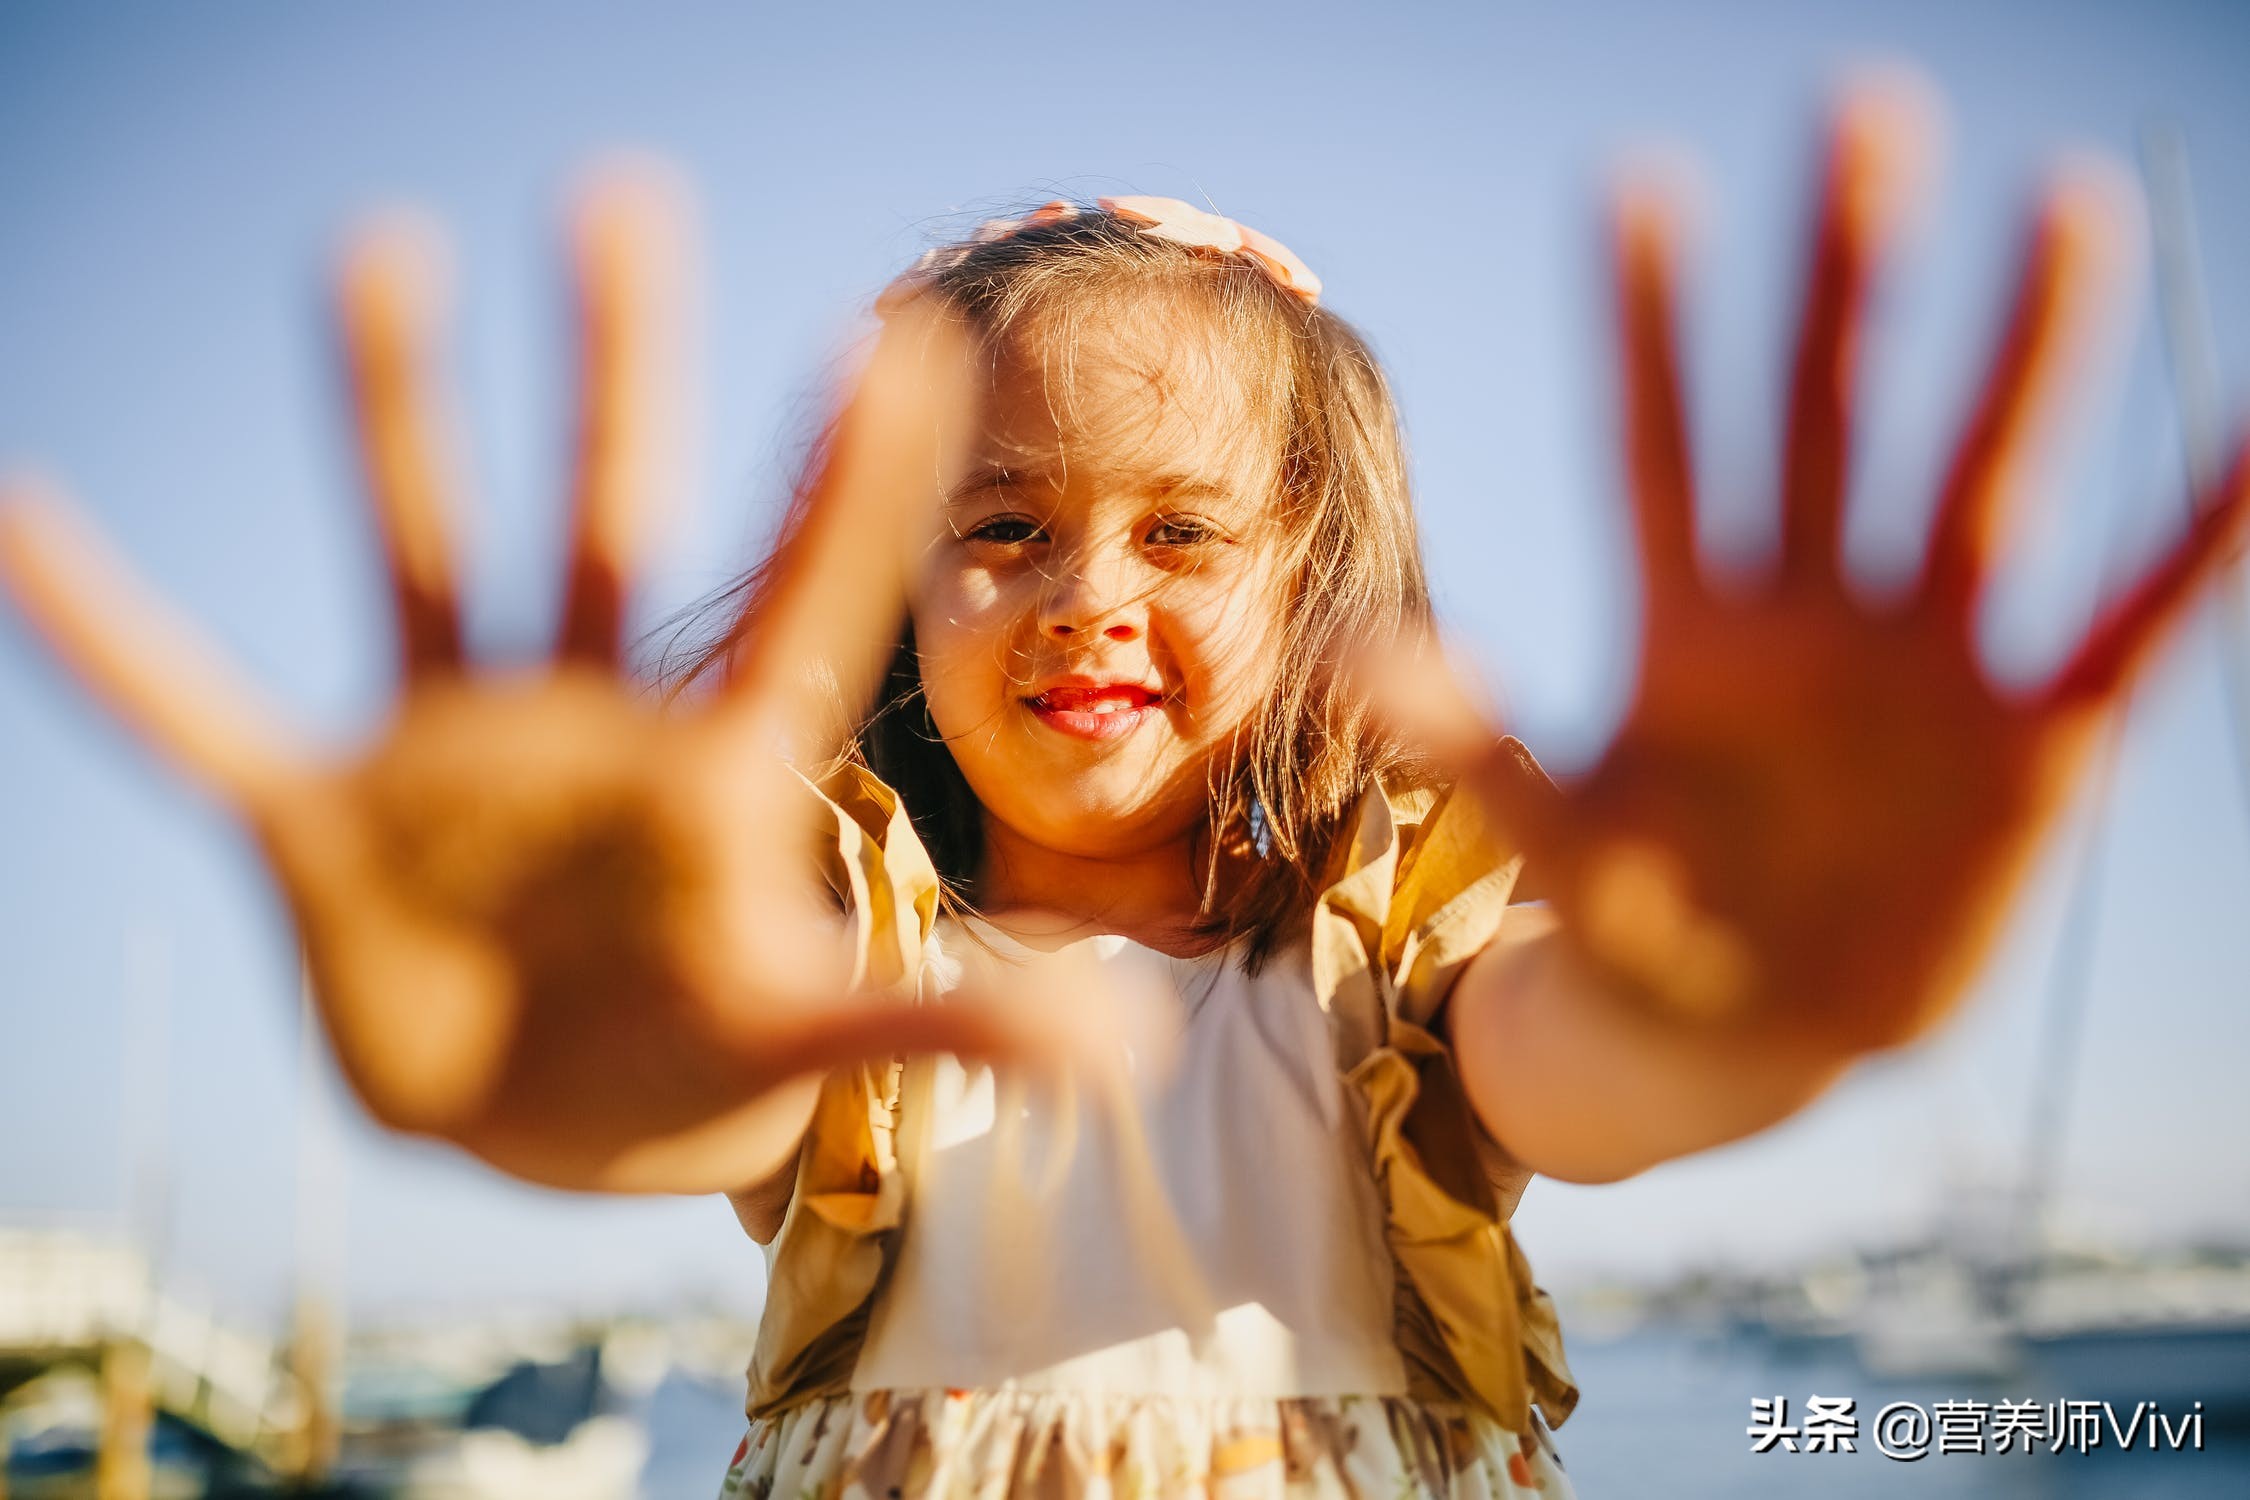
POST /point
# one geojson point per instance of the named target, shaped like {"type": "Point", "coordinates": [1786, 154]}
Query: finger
{"type": "Point", "coordinates": [1879, 146]}
{"type": "Point", "coordinates": [628, 234]}
{"type": "Point", "coordinates": [1415, 691]}
{"type": "Point", "coordinates": [2129, 630]}
{"type": "Point", "coordinates": [1877, 153]}
{"type": "Point", "coordinates": [1660, 481]}
{"type": "Point", "coordinates": [1059, 1012]}
{"type": "Point", "coordinates": [2074, 261]}
{"type": "Point", "coordinates": [818, 633]}
{"type": "Point", "coordinates": [862, 1031]}
{"type": "Point", "coordinates": [388, 304]}
{"type": "Point", "coordinates": [148, 666]}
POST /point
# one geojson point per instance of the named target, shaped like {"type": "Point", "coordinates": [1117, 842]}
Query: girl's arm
{"type": "Point", "coordinates": [1578, 1081]}
{"type": "Point", "coordinates": [763, 1205]}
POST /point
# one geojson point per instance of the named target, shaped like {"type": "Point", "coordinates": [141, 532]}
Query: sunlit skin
{"type": "Point", "coordinates": [1120, 532]}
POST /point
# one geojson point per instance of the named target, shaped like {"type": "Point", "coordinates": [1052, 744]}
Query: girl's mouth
{"type": "Point", "coordinates": [1105, 711]}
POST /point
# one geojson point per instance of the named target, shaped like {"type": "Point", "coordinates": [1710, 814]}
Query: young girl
{"type": "Point", "coordinates": [1124, 720]}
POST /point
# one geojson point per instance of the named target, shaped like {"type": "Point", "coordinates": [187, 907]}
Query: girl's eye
{"type": "Point", "coordinates": [1008, 531]}
{"type": "Point", "coordinates": [1182, 531]}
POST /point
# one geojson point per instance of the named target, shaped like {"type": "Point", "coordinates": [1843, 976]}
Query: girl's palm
{"type": "Point", "coordinates": [576, 934]}
{"type": "Point", "coordinates": [1819, 806]}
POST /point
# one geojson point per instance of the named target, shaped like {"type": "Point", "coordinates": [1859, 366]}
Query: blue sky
{"type": "Point", "coordinates": [174, 178]}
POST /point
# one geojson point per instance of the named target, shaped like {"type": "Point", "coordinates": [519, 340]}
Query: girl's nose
{"type": "Point", "coordinates": [1090, 599]}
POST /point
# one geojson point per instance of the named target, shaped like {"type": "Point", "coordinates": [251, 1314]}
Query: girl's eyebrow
{"type": "Point", "coordinates": [1191, 487]}
{"type": "Point", "coordinates": [981, 478]}
{"type": "Point", "coordinates": [1173, 487]}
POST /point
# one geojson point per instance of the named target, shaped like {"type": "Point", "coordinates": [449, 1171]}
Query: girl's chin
{"type": "Point", "coordinates": [1097, 821]}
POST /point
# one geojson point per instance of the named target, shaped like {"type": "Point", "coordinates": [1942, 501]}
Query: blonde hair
{"type": "Point", "coordinates": [1346, 523]}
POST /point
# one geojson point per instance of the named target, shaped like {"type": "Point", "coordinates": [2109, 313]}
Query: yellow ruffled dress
{"type": "Point", "coordinates": [1418, 888]}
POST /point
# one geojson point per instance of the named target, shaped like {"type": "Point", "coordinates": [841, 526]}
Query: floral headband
{"type": "Point", "coordinates": [1165, 218]}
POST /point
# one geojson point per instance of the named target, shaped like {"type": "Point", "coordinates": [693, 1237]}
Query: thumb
{"type": "Point", "coordinates": [1418, 688]}
{"type": "Point", "coordinates": [1063, 1012]}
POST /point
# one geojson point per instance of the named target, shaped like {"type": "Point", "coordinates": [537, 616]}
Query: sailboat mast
{"type": "Point", "coordinates": [2193, 363]}
{"type": "Point", "coordinates": [316, 1316]}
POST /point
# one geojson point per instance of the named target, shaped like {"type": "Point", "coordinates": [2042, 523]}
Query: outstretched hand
{"type": "Point", "coordinates": [575, 934]}
{"type": "Point", "coordinates": [1818, 807]}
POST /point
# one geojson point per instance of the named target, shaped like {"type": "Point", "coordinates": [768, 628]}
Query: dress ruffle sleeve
{"type": "Point", "coordinates": [1420, 885]}
{"type": "Point", "coordinates": [827, 1260]}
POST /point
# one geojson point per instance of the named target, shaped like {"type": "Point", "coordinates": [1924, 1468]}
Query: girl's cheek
{"type": "Point", "coordinates": [964, 626]}
{"type": "Point", "coordinates": [1223, 638]}
{"type": "Point", "coordinates": [952, 603]}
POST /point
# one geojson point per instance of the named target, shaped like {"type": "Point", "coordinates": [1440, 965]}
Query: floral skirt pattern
{"type": "Point", "coordinates": [1005, 1444]}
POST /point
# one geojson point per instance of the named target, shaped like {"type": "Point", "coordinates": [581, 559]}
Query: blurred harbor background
{"type": "Point", "coordinates": [205, 1252]}
{"type": "Point", "coordinates": [113, 1384]}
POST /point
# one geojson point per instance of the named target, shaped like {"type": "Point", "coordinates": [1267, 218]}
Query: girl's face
{"type": "Point", "coordinates": [1101, 612]}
